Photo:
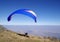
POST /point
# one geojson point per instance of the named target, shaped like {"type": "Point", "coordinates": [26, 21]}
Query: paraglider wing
{"type": "Point", "coordinates": [26, 12]}
{"type": "Point", "coordinates": [9, 17]}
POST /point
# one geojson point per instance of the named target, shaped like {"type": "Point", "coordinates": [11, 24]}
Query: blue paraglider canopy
{"type": "Point", "coordinates": [26, 12]}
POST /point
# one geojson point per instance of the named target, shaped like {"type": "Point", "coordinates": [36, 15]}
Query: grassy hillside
{"type": "Point", "coordinates": [9, 36]}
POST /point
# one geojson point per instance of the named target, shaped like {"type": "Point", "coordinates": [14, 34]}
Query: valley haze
{"type": "Point", "coordinates": [38, 30]}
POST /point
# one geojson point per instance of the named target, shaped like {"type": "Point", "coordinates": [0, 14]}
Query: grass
{"type": "Point", "coordinates": [9, 36]}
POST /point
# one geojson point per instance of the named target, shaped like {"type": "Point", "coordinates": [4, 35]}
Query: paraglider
{"type": "Point", "coordinates": [26, 12]}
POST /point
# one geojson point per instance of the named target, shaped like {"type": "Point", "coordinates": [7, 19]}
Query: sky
{"type": "Point", "coordinates": [47, 11]}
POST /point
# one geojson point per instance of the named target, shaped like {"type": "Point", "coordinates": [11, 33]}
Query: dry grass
{"type": "Point", "coordinates": [9, 36]}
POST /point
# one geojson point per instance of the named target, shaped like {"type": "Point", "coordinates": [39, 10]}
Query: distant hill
{"type": "Point", "coordinates": [10, 36]}
{"type": "Point", "coordinates": [2, 28]}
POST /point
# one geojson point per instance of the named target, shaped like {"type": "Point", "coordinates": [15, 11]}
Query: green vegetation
{"type": "Point", "coordinates": [9, 36]}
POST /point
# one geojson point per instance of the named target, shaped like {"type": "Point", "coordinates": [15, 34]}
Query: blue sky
{"type": "Point", "coordinates": [47, 11]}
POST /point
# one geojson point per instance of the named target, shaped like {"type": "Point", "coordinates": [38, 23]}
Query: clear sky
{"type": "Point", "coordinates": [47, 11]}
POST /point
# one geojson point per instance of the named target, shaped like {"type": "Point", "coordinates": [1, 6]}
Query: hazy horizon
{"type": "Point", "coordinates": [39, 30]}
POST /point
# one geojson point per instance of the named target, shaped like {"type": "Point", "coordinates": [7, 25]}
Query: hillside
{"type": "Point", "coordinates": [10, 36]}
